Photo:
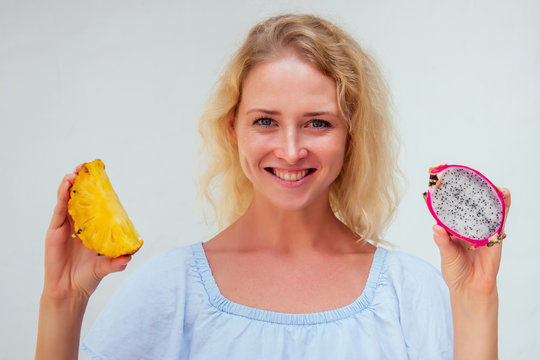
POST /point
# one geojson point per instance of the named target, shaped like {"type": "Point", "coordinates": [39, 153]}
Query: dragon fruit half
{"type": "Point", "coordinates": [466, 204]}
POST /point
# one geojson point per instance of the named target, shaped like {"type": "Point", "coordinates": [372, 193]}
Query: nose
{"type": "Point", "coordinates": [291, 147]}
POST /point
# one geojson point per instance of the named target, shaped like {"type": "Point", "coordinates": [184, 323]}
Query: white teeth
{"type": "Point", "coordinates": [290, 175]}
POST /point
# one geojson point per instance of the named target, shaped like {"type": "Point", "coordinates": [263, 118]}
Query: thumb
{"type": "Point", "coordinates": [449, 249]}
{"type": "Point", "coordinates": [108, 265]}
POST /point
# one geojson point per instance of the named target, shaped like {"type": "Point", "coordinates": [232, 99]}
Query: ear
{"type": "Point", "coordinates": [232, 131]}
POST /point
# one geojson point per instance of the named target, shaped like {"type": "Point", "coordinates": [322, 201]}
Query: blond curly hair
{"type": "Point", "coordinates": [365, 194]}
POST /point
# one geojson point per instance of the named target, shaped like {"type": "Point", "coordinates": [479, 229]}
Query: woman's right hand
{"type": "Point", "coordinates": [72, 270]}
{"type": "Point", "coordinates": [72, 273]}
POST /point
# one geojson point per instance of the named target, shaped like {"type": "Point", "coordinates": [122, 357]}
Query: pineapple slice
{"type": "Point", "coordinates": [99, 219]}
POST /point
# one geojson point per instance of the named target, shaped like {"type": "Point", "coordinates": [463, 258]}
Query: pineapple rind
{"type": "Point", "coordinates": [100, 220]}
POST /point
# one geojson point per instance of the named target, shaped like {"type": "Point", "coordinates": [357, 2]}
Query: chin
{"type": "Point", "coordinates": [293, 204]}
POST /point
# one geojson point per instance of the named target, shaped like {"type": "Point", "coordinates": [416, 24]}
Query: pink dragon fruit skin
{"type": "Point", "coordinates": [467, 204]}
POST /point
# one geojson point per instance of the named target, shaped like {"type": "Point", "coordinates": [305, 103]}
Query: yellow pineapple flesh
{"type": "Point", "coordinates": [100, 220]}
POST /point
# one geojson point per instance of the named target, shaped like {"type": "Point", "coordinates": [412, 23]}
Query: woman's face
{"type": "Point", "coordinates": [291, 140]}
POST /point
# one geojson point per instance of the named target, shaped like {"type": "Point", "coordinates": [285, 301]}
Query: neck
{"type": "Point", "coordinates": [313, 228]}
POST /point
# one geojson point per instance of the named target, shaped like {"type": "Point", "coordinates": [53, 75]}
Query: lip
{"type": "Point", "coordinates": [290, 183]}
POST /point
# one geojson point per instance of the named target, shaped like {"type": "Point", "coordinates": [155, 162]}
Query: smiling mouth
{"type": "Point", "coordinates": [288, 175]}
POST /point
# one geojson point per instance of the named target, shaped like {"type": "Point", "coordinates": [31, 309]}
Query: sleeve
{"type": "Point", "coordinates": [424, 309]}
{"type": "Point", "coordinates": [144, 319]}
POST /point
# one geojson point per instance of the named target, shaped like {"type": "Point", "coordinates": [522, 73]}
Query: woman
{"type": "Point", "coordinates": [299, 138]}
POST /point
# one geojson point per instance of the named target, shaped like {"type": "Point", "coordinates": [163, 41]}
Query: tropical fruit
{"type": "Point", "coordinates": [99, 219]}
{"type": "Point", "coordinates": [466, 204]}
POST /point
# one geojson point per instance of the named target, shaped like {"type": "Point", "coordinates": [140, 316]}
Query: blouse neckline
{"type": "Point", "coordinates": [225, 305]}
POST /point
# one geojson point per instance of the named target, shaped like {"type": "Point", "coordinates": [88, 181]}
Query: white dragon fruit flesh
{"type": "Point", "coordinates": [466, 204]}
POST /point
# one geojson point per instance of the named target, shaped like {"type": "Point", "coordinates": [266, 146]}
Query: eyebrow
{"type": "Point", "coordinates": [274, 112]}
{"type": "Point", "coordinates": [269, 112]}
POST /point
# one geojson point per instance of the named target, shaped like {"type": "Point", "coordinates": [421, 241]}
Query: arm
{"type": "Point", "coordinates": [59, 327]}
{"type": "Point", "coordinates": [72, 273]}
{"type": "Point", "coordinates": [471, 276]}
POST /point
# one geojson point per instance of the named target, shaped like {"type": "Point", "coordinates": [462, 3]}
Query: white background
{"type": "Point", "coordinates": [125, 81]}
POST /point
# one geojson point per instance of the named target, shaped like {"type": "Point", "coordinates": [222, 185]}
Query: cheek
{"type": "Point", "coordinates": [336, 151]}
{"type": "Point", "coordinates": [250, 153]}
{"type": "Point", "coordinates": [338, 162]}
{"type": "Point", "coordinates": [336, 155]}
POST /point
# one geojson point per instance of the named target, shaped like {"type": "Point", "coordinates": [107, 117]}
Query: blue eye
{"type": "Point", "coordinates": [320, 124]}
{"type": "Point", "coordinates": [266, 122]}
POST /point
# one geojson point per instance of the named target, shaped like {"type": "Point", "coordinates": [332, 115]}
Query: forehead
{"type": "Point", "coordinates": [289, 81]}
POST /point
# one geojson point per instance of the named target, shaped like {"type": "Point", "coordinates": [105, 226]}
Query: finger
{"type": "Point", "coordinates": [66, 183]}
{"type": "Point", "coordinates": [487, 260]}
{"type": "Point", "coordinates": [60, 210]}
{"type": "Point", "coordinates": [120, 263]}
{"type": "Point", "coordinates": [507, 198]}
{"type": "Point", "coordinates": [507, 202]}
{"type": "Point", "coordinates": [107, 265]}
{"type": "Point", "coordinates": [449, 249]}
{"type": "Point", "coordinates": [78, 168]}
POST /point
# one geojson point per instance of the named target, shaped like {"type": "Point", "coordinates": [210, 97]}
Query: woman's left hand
{"type": "Point", "coordinates": [471, 276]}
{"type": "Point", "coordinates": [471, 272]}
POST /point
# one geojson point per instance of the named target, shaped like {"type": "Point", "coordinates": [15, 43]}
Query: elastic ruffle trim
{"type": "Point", "coordinates": [223, 304]}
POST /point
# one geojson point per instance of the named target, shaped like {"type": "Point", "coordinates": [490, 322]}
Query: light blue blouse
{"type": "Point", "coordinates": [171, 308]}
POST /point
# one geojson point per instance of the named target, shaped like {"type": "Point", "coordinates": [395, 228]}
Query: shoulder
{"type": "Point", "coordinates": [175, 257]}
{"type": "Point", "coordinates": [173, 272]}
{"type": "Point", "coordinates": [422, 301]}
{"type": "Point", "coordinates": [406, 260]}
{"type": "Point", "coordinates": [404, 267]}
{"type": "Point", "coordinates": [413, 282]}
{"type": "Point", "coordinates": [153, 300]}
{"type": "Point", "coordinates": [168, 263]}
{"type": "Point", "coordinates": [154, 283]}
